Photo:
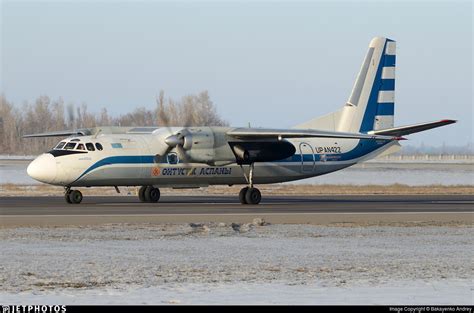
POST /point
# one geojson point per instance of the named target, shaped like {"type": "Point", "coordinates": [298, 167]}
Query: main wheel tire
{"type": "Point", "coordinates": [152, 194]}
{"type": "Point", "coordinates": [75, 196]}
{"type": "Point", "coordinates": [141, 193]}
{"type": "Point", "coordinates": [66, 196]}
{"type": "Point", "coordinates": [242, 194]}
{"type": "Point", "coordinates": [253, 196]}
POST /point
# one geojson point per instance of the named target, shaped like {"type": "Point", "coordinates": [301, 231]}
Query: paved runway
{"type": "Point", "coordinates": [229, 204]}
{"type": "Point", "coordinates": [281, 209]}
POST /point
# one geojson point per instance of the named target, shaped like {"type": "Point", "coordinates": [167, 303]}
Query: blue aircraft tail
{"type": "Point", "coordinates": [371, 103]}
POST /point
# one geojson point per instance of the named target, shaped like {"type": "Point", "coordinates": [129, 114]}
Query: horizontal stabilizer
{"type": "Point", "coordinates": [262, 133]}
{"type": "Point", "coordinates": [410, 129]}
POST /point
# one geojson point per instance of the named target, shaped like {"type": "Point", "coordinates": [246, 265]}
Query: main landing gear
{"type": "Point", "coordinates": [149, 194]}
{"type": "Point", "coordinates": [72, 196]}
{"type": "Point", "coordinates": [250, 194]}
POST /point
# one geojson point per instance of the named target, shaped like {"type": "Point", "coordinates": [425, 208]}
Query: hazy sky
{"type": "Point", "coordinates": [273, 64]}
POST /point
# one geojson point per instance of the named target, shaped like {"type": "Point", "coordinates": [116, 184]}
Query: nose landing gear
{"type": "Point", "coordinates": [72, 196]}
{"type": "Point", "coordinates": [250, 194]}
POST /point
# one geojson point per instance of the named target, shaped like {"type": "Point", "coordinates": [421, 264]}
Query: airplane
{"type": "Point", "coordinates": [193, 157]}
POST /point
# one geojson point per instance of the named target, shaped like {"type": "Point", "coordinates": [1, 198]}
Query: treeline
{"type": "Point", "coordinates": [467, 149]}
{"type": "Point", "coordinates": [46, 115]}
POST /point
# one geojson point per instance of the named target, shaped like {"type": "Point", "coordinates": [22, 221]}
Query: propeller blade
{"type": "Point", "coordinates": [160, 157]}
{"type": "Point", "coordinates": [174, 140]}
{"type": "Point", "coordinates": [182, 155]}
{"type": "Point", "coordinates": [163, 118]}
{"type": "Point", "coordinates": [189, 121]}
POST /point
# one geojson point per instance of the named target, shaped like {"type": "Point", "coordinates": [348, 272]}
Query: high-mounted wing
{"type": "Point", "coordinates": [410, 129]}
{"type": "Point", "coordinates": [95, 130]}
{"type": "Point", "coordinates": [61, 133]}
{"type": "Point", "coordinates": [263, 133]}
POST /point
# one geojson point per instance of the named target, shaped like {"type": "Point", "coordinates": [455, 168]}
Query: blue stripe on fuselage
{"type": "Point", "coordinates": [364, 147]}
{"type": "Point", "coordinates": [123, 159]}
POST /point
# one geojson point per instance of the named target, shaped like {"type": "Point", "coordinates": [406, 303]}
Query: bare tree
{"type": "Point", "coordinates": [192, 110]}
{"type": "Point", "coordinates": [46, 115]}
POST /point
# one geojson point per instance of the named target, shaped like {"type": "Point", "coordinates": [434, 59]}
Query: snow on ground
{"type": "Point", "coordinates": [417, 292]}
{"type": "Point", "coordinates": [222, 263]}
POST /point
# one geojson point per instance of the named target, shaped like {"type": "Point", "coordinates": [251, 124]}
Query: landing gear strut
{"type": "Point", "coordinates": [149, 194]}
{"type": "Point", "coordinates": [250, 194]}
{"type": "Point", "coordinates": [72, 196]}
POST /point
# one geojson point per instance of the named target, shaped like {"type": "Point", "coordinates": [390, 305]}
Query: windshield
{"type": "Point", "coordinates": [60, 145]}
{"type": "Point", "coordinates": [69, 146]}
{"type": "Point", "coordinates": [73, 144]}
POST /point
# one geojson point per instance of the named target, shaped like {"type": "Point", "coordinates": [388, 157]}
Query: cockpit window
{"type": "Point", "coordinates": [99, 146]}
{"type": "Point", "coordinates": [80, 147]}
{"type": "Point", "coordinates": [69, 146]}
{"type": "Point", "coordinates": [60, 145]}
{"type": "Point", "coordinates": [90, 146]}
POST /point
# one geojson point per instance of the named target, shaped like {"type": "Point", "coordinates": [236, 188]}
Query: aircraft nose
{"type": "Point", "coordinates": [43, 168]}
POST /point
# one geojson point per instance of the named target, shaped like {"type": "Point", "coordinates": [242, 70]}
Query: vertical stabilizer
{"type": "Point", "coordinates": [372, 100]}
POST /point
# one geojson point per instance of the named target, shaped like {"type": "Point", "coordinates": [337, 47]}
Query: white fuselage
{"type": "Point", "coordinates": [128, 160]}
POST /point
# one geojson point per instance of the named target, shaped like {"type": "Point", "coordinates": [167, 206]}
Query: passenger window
{"type": "Point", "coordinates": [80, 147]}
{"type": "Point", "coordinates": [60, 145]}
{"type": "Point", "coordinates": [99, 146]}
{"type": "Point", "coordinates": [90, 146]}
{"type": "Point", "coordinates": [69, 146]}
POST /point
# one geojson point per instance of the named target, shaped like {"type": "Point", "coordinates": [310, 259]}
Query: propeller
{"type": "Point", "coordinates": [181, 140]}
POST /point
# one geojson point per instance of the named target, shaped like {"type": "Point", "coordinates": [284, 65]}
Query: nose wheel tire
{"type": "Point", "coordinates": [75, 197]}
{"type": "Point", "coordinates": [151, 194]}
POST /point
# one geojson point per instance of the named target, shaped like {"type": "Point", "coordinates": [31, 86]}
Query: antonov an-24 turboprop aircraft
{"type": "Point", "coordinates": [190, 157]}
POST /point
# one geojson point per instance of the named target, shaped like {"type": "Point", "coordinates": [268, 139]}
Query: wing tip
{"type": "Point", "coordinates": [448, 121]}
{"type": "Point", "coordinates": [399, 138]}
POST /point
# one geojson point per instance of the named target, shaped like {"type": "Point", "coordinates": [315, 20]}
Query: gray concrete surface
{"type": "Point", "coordinates": [51, 211]}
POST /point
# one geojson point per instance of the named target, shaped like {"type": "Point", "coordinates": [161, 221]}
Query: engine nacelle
{"type": "Point", "coordinates": [262, 151]}
{"type": "Point", "coordinates": [199, 145]}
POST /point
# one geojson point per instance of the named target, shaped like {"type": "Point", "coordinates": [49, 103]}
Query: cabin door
{"type": "Point", "coordinates": [307, 158]}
